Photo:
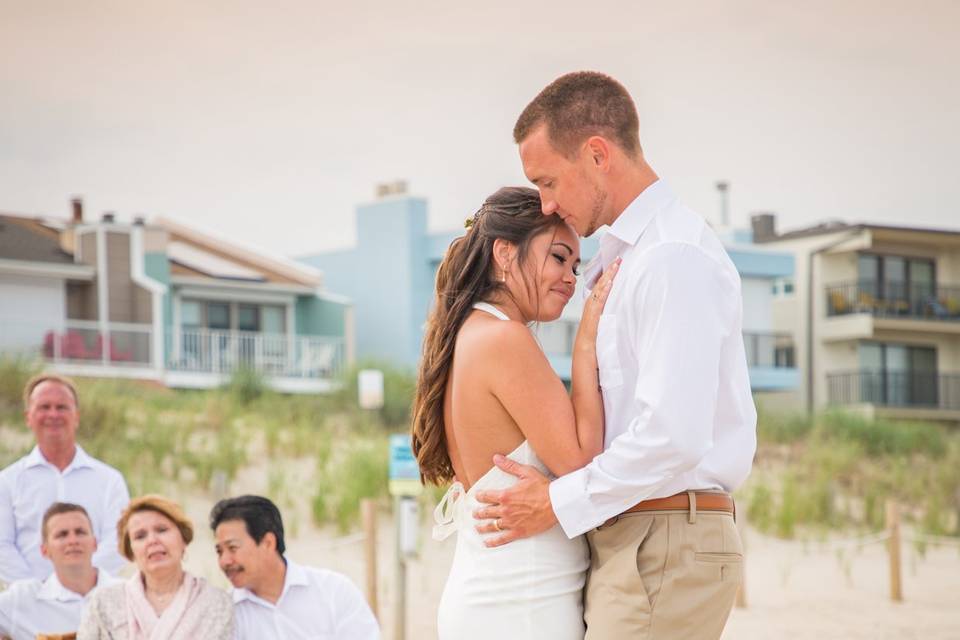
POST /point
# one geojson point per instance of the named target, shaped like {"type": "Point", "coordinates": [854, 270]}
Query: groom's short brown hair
{"type": "Point", "coordinates": [579, 105]}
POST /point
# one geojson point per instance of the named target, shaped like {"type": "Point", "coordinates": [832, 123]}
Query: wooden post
{"type": "Point", "coordinates": [368, 508]}
{"type": "Point", "coordinates": [742, 589]}
{"type": "Point", "coordinates": [893, 547]}
{"type": "Point", "coordinates": [400, 575]}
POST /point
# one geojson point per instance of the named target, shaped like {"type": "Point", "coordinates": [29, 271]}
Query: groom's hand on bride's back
{"type": "Point", "coordinates": [521, 511]}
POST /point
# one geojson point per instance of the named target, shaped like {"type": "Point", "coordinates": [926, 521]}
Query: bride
{"type": "Point", "coordinates": [486, 387]}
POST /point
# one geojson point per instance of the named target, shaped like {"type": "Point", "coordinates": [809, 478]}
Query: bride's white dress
{"type": "Point", "coordinates": [530, 588]}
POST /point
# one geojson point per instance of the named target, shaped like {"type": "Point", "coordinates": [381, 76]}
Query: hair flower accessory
{"type": "Point", "coordinates": [472, 220]}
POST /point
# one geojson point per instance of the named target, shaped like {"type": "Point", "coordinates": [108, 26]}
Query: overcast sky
{"type": "Point", "coordinates": [268, 122]}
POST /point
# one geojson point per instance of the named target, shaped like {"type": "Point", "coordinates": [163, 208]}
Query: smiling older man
{"type": "Point", "coordinates": [33, 608]}
{"type": "Point", "coordinates": [57, 470]}
{"type": "Point", "coordinates": [275, 598]}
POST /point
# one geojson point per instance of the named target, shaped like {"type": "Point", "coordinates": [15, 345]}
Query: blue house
{"type": "Point", "coordinates": [389, 277]}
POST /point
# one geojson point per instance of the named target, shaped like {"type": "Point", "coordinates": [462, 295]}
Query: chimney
{"type": "Point", "coordinates": [109, 217]}
{"type": "Point", "coordinates": [77, 206]}
{"type": "Point", "coordinates": [764, 226]}
{"type": "Point", "coordinates": [395, 188]}
{"type": "Point", "coordinates": [723, 187]}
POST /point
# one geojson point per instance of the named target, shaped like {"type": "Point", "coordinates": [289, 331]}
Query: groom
{"type": "Point", "coordinates": [666, 556]}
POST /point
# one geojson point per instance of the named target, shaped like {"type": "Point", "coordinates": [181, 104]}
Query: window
{"type": "Point", "coordinates": [782, 287]}
{"type": "Point", "coordinates": [218, 315]}
{"type": "Point", "coordinates": [898, 375]}
{"type": "Point", "coordinates": [248, 317]}
{"type": "Point", "coordinates": [908, 282]}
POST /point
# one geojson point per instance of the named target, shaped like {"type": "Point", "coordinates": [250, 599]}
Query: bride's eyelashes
{"type": "Point", "coordinates": [562, 260]}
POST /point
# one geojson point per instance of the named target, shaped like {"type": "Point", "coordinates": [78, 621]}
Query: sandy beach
{"type": "Point", "coordinates": [794, 590]}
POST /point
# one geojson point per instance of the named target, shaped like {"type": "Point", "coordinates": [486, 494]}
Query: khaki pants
{"type": "Point", "coordinates": [662, 575]}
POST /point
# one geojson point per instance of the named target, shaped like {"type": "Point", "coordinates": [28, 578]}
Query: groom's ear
{"type": "Point", "coordinates": [597, 149]}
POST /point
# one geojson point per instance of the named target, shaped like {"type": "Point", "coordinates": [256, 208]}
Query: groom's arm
{"type": "Point", "coordinates": [679, 311]}
{"type": "Point", "coordinates": [524, 509]}
{"type": "Point", "coordinates": [682, 307]}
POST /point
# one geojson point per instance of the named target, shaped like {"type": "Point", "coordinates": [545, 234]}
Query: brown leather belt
{"type": "Point", "coordinates": [705, 501]}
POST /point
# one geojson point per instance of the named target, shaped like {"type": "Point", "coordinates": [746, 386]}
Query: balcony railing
{"type": "Point", "coordinates": [122, 345]}
{"type": "Point", "coordinates": [114, 344]}
{"type": "Point", "coordinates": [216, 351]}
{"type": "Point", "coordinates": [763, 349]}
{"type": "Point", "coordinates": [898, 300]}
{"type": "Point", "coordinates": [912, 389]}
{"type": "Point", "coordinates": [769, 350]}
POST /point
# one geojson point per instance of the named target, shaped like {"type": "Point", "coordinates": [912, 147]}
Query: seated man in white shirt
{"type": "Point", "coordinates": [57, 470]}
{"type": "Point", "coordinates": [32, 607]}
{"type": "Point", "coordinates": [273, 596]}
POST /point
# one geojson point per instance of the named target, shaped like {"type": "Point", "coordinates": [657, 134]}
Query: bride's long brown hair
{"type": "Point", "coordinates": [467, 274]}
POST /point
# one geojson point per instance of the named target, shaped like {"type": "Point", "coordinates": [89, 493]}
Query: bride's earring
{"type": "Point", "coordinates": [503, 276]}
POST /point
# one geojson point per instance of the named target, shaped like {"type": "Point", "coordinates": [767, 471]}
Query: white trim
{"type": "Point", "coordinates": [157, 291]}
{"type": "Point", "coordinates": [280, 264]}
{"type": "Point", "coordinates": [190, 380]}
{"type": "Point", "coordinates": [264, 297]}
{"type": "Point", "coordinates": [100, 371]}
{"type": "Point", "coordinates": [291, 327]}
{"type": "Point", "coordinates": [241, 286]}
{"type": "Point", "coordinates": [175, 327]}
{"type": "Point", "coordinates": [47, 270]}
{"type": "Point", "coordinates": [336, 298]}
{"type": "Point", "coordinates": [94, 325]}
{"type": "Point", "coordinates": [103, 290]}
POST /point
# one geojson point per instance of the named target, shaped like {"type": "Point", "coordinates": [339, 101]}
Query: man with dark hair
{"type": "Point", "coordinates": [32, 607]}
{"type": "Point", "coordinates": [680, 424]}
{"type": "Point", "coordinates": [57, 469]}
{"type": "Point", "coordinates": [273, 596]}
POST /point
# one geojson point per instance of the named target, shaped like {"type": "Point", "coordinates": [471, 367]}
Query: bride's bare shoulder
{"type": "Point", "coordinates": [499, 340]}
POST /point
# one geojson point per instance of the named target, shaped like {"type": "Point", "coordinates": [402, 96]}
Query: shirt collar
{"type": "Point", "coordinates": [626, 230]}
{"type": "Point", "coordinates": [80, 460]}
{"type": "Point", "coordinates": [630, 225]}
{"type": "Point", "coordinates": [296, 576]}
{"type": "Point", "coordinates": [53, 589]}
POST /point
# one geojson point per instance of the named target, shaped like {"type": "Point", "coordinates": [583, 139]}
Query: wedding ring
{"type": "Point", "coordinates": [496, 524]}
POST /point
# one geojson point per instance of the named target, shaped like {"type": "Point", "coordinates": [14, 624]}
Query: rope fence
{"type": "Point", "coordinates": [892, 537]}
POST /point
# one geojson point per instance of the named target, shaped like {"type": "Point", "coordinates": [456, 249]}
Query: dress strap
{"type": "Point", "coordinates": [444, 515]}
{"type": "Point", "coordinates": [492, 310]}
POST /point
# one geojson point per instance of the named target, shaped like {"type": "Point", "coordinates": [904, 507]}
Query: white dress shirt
{"type": "Point", "coordinates": [678, 410]}
{"type": "Point", "coordinates": [315, 604]}
{"type": "Point", "coordinates": [27, 489]}
{"type": "Point", "coordinates": [29, 607]}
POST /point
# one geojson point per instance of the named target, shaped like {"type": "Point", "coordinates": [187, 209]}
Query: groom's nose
{"type": "Point", "coordinates": [548, 206]}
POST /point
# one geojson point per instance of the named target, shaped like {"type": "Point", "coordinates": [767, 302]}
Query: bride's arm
{"type": "Point", "coordinates": [565, 435]}
{"type": "Point", "coordinates": [585, 372]}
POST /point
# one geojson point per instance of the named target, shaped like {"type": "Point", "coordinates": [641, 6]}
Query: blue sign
{"type": "Point", "coordinates": [404, 470]}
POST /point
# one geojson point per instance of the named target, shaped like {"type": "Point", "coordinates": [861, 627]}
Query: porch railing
{"type": "Point", "coordinates": [113, 344]}
{"type": "Point", "coordinates": [914, 389]}
{"type": "Point", "coordinates": [769, 350]}
{"type": "Point", "coordinates": [223, 351]}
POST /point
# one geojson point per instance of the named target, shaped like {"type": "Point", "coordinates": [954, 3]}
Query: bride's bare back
{"type": "Point", "coordinates": [477, 425]}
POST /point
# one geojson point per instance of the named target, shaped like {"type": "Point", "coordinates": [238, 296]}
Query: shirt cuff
{"type": "Point", "coordinates": [568, 496]}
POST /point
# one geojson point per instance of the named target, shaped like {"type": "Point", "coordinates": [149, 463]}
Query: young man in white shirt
{"type": "Point", "coordinates": [53, 606]}
{"type": "Point", "coordinates": [57, 470]}
{"type": "Point", "coordinates": [680, 424]}
{"type": "Point", "coordinates": [273, 596]}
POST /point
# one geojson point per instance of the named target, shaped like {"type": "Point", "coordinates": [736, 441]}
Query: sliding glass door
{"type": "Point", "coordinates": [898, 375]}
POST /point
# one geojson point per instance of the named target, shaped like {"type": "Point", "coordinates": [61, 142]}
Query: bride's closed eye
{"type": "Point", "coordinates": [563, 260]}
